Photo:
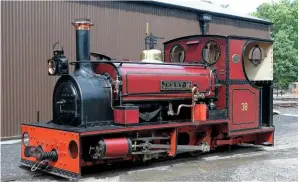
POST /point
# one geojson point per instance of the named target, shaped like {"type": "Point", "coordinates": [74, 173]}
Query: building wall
{"type": "Point", "coordinates": [29, 29]}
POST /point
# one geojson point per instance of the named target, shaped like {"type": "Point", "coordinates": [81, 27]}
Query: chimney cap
{"type": "Point", "coordinates": [82, 23]}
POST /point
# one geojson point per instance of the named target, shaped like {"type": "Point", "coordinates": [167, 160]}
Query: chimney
{"type": "Point", "coordinates": [82, 27]}
{"type": "Point", "coordinates": [204, 19]}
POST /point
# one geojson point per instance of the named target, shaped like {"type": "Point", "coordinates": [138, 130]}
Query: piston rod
{"type": "Point", "coordinates": [185, 148]}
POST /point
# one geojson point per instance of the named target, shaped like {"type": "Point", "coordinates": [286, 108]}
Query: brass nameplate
{"type": "Point", "coordinates": [176, 85]}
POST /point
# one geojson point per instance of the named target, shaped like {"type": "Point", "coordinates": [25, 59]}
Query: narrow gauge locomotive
{"type": "Point", "coordinates": [207, 91]}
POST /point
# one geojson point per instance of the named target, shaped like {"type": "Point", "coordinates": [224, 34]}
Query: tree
{"type": "Point", "coordinates": [284, 31]}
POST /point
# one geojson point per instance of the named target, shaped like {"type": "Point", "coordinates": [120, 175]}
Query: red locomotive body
{"type": "Point", "coordinates": [208, 92]}
{"type": "Point", "coordinates": [152, 82]}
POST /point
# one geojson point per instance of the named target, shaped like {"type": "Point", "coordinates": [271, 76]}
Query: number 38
{"type": "Point", "coordinates": [244, 106]}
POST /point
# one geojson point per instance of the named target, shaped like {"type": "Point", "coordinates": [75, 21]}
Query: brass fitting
{"type": "Point", "coordinates": [82, 24]}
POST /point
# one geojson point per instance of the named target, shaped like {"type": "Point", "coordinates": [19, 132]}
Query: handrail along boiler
{"type": "Point", "coordinates": [206, 91]}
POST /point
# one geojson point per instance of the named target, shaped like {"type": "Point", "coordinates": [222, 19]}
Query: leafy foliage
{"type": "Point", "coordinates": [284, 15]}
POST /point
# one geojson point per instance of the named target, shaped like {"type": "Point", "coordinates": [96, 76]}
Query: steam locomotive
{"type": "Point", "coordinates": [205, 91]}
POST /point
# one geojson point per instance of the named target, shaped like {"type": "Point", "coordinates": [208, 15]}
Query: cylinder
{"type": "Point", "coordinates": [82, 27]}
{"type": "Point", "coordinates": [117, 147]}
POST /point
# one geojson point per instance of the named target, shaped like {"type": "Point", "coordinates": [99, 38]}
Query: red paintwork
{"type": "Point", "coordinates": [229, 141]}
{"type": "Point", "coordinates": [193, 51]}
{"type": "Point", "coordinates": [242, 126]}
{"type": "Point", "coordinates": [193, 137]}
{"type": "Point", "coordinates": [116, 147]}
{"type": "Point", "coordinates": [152, 127]}
{"type": "Point", "coordinates": [173, 143]}
{"type": "Point", "coordinates": [246, 119]}
{"type": "Point", "coordinates": [142, 81]}
{"type": "Point", "coordinates": [191, 131]}
{"type": "Point", "coordinates": [50, 139]}
{"type": "Point", "coordinates": [200, 112]}
{"type": "Point", "coordinates": [248, 133]}
{"type": "Point", "coordinates": [236, 69]}
{"type": "Point", "coordinates": [126, 116]}
{"type": "Point", "coordinates": [240, 98]}
{"type": "Point", "coordinates": [265, 137]}
{"type": "Point", "coordinates": [221, 103]}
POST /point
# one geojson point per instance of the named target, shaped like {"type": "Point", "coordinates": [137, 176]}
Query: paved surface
{"type": "Point", "coordinates": [282, 103]}
{"type": "Point", "coordinates": [243, 163]}
{"type": "Point", "coordinates": [285, 95]}
{"type": "Point", "coordinates": [285, 100]}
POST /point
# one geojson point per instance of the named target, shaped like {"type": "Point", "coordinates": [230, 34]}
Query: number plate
{"type": "Point", "coordinates": [176, 85]}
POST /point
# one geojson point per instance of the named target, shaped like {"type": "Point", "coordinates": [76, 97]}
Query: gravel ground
{"type": "Point", "coordinates": [243, 163]}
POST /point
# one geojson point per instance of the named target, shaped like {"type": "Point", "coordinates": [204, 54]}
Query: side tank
{"type": "Point", "coordinates": [160, 81]}
{"type": "Point", "coordinates": [153, 80]}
